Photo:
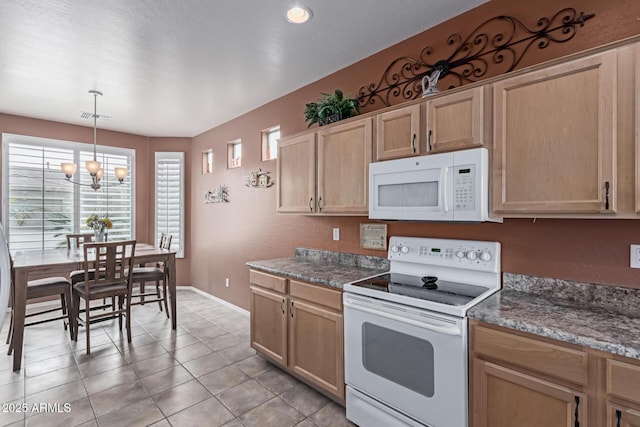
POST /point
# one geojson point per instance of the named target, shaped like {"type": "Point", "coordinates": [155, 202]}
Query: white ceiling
{"type": "Point", "coordinates": [181, 67]}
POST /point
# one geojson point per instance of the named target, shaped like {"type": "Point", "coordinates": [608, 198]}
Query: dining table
{"type": "Point", "coordinates": [29, 264]}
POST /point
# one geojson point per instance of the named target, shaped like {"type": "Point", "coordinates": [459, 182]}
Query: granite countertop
{"type": "Point", "coordinates": [323, 267]}
{"type": "Point", "coordinates": [601, 317]}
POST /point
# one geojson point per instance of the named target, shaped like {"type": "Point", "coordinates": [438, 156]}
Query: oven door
{"type": "Point", "coordinates": [411, 360]}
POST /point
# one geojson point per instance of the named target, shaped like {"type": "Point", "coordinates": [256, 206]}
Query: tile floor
{"type": "Point", "coordinates": [203, 374]}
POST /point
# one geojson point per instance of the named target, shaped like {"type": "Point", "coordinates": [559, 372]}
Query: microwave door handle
{"type": "Point", "coordinates": [443, 189]}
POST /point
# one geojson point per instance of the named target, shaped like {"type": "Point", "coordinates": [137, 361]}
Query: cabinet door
{"type": "Point", "coordinates": [619, 416]}
{"type": "Point", "coordinates": [555, 139]}
{"type": "Point", "coordinates": [269, 324]}
{"type": "Point", "coordinates": [344, 154]}
{"type": "Point", "coordinates": [398, 133]}
{"type": "Point", "coordinates": [316, 346]}
{"type": "Point", "coordinates": [504, 397]}
{"type": "Point", "coordinates": [296, 177]}
{"type": "Point", "coordinates": [456, 121]}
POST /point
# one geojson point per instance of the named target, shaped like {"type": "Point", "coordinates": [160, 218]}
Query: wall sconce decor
{"type": "Point", "coordinates": [259, 179]}
{"type": "Point", "coordinates": [217, 195]}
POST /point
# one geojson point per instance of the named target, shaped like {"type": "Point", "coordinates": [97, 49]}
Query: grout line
{"type": "Point", "coordinates": [214, 298]}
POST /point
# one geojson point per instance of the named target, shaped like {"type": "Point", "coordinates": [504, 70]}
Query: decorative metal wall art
{"type": "Point", "coordinates": [472, 56]}
{"type": "Point", "coordinates": [217, 195]}
{"type": "Point", "coordinates": [259, 179]}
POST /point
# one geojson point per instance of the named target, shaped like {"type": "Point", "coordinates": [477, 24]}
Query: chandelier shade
{"type": "Point", "coordinates": [93, 166]}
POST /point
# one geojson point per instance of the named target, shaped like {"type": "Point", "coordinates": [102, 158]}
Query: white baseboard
{"type": "Point", "coordinates": [214, 298]}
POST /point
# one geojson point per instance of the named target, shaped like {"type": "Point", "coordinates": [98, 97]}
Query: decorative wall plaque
{"type": "Point", "coordinates": [373, 236]}
{"type": "Point", "coordinates": [259, 179]}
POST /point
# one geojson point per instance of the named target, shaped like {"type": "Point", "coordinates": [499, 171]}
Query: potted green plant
{"type": "Point", "coordinates": [331, 107]}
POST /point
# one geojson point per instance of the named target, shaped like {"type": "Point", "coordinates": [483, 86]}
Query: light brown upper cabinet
{"type": "Point", "coordinates": [457, 121]}
{"type": "Point", "coordinates": [335, 179]}
{"type": "Point", "coordinates": [555, 139]}
{"type": "Point", "coordinates": [398, 133]}
{"type": "Point", "coordinates": [296, 176]}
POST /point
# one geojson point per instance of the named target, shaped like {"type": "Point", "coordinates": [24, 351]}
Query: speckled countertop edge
{"type": "Point", "coordinates": [323, 267]}
{"type": "Point", "coordinates": [581, 319]}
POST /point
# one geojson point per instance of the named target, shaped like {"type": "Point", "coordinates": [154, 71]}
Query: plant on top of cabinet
{"type": "Point", "coordinates": [331, 107]}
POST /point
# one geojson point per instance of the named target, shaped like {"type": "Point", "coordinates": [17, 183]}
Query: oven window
{"type": "Point", "coordinates": [400, 358]}
{"type": "Point", "coordinates": [411, 195]}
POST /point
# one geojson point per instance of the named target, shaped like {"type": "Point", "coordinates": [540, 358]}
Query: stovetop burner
{"type": "Point", "coordinates": [426, 288]}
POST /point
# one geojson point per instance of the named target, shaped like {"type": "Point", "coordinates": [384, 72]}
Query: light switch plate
{"type": "Point", "coordinates": [336, 234]}
{"type": "Point", "coordinates": [635, 256]}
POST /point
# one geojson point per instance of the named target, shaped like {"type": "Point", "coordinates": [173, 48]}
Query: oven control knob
{"type": "Point", "coordinates": [404, 249]}
{"type": "Point", "coordinates": [460, 254]}
{"type": "Point", "coordinates": [485, 256]}
{"type": "Point", "coordinates": [394, 249]}
{"type": "Point", "coordinates": [471, 255]}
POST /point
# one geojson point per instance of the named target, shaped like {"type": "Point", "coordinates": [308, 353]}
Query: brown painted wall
{"type": "Point", "coordinates": [225, 236]}
{"type": "Point", "coordinates": [145, 149]}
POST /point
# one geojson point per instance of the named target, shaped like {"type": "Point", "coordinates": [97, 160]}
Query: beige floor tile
{"type": "Point", "coordinates": [106, 380]}
{"type": "Point", "coordinates": [15, 413]}
{"type": "Point", "coordinates": [75, 413]}
{"type": "Point", "coordinates": [49, 365]}
{"type": "Point", "coordinates": [179, 341]}
{"type": "Point", "coordinates": [238, 352]}
{"type": "Point", "coordinates": [144, 352]}
{"type": "Point", "coordinates": [332, 415]}
{"type": "Point", "coordinates": [117, 397]}
{"type": "Point", "coordinates": [11, 391]}
{"type": "Point", "coordinates": [102, 364]}
{"type": "Point", "coordinates": [61, 394]}
{"type": "Point", "coordinates": [204, 365]}
{"type": "Point", "coordinates": [51, 379]}
{"type": "Point", "coordinates": [277, 380]}
{"type": "Point", "coordinates": [191, 352]}
{"type": "Point", "coordinates": [274, 412]}
{"type": "Point", "coordinates": [164, 380]}
{"type": "Point", "coordinates": [223, 341]}
{"type": "Point", "coordinates": [306, 423]}
{"type": "Point", "coordinates": [153, 365]}
{"type": "Point", "coordinates": [223, 379]}
{"type": "Point", "coordinates": [141, 413]}
{"type": "Point", "coordinates": [181, 397]}
{"type": "Point", "coordinates": [245, 396]}
{"type": "Point", "coordinates": [304, 399]}
{"type": "Point", "coordinates": [253, 366]}
{"type": "Point", "coordinates": [210, 413]}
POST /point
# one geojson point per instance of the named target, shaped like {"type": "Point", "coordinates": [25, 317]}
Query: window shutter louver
{"type": "Point", "coordinates": [169, 195]}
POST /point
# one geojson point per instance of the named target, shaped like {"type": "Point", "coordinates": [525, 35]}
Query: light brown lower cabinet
{"type": "Point", "coordinates": [299, 326]}
{"type": "Point", "coordinates": [519, 379]}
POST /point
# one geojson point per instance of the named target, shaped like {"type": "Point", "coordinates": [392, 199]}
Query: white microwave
{"type": "Point", "coordinates": [437, 187]}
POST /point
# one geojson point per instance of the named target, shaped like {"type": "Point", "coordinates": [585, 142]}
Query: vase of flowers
{"type": "Point", "coordinates": [99, 224]}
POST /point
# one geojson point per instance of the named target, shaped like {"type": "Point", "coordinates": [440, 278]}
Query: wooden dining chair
{"type": "Point", "coordinates": [75, 240]}
{"type": "Point", "coordinates": [42, 288]}
{"type": "Point", "coordinates": [115, 261]}
{"type": "Point", "coordinates": [157, 274]}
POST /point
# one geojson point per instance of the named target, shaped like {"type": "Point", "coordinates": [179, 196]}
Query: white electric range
{"type": "Point", "coordinates": [405, 332]}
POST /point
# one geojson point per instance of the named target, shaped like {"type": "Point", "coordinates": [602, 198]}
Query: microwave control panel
{"type": "Point", "coordinates": [464, 187]}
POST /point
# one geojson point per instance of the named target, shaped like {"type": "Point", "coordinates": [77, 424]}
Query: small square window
{"type": "Point", "coordinates": [234, 154]}
{"type": "Point", "coordinates": [207, 161]}
{"type": "Point", "coordinates": [270, 139]}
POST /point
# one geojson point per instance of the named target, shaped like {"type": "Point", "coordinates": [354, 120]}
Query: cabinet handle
{"type": "Point", "coordinates": [429, 140]}
{"type": "Point", "coordinates": [282, 306]}
{"type": "Point", "coordinates": [310, 204]}
{"type": "Point", "coordinates": [413, 143]}
{"type": "Point", "coordinates": [606, 195]}
{"type": "Point", "coordinates": [618, 417]}
{"type": "Point", "coordinates": [291, 309]}
{"type": "Point", "coordinates": [320, 204]}
{"type": "Point", "coordinates": [577, 421]}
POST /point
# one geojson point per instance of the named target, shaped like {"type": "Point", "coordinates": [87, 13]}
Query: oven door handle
{"type": "Point", "coordinates": [448, 330]}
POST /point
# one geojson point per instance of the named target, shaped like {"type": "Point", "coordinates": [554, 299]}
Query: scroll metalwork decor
{"type": "Point", "coordinates": [217, 195]}
{"type": "Point", "coordinates": [472, 56]}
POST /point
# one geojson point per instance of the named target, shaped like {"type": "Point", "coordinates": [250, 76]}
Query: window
{"type": "Point", "coordinates": [170, 199]}
{"type": "Point", "coordinates": [234, 154]}
{"type": "Point", "coordinates": [270, 139]}
{"type": "Point", "coordinates": [40, 207]}
{"type": "Point", "coordinates": [207, 161]}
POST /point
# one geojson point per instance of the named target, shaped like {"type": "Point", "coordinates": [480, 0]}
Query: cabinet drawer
{"type": "Point", "coordinates": [317, 294]}
{"type": "Point", "coordinates": [623, 380]}
{"type": "Point", "coordinates": [550, 359]}
{"type": "Point", "coordinates": [269, 281]}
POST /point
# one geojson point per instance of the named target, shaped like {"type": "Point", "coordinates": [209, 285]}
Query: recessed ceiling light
{"type": "Point", "coordinates": [298, 14]}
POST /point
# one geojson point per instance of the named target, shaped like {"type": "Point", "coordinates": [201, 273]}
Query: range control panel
{"type": "Point", "coordinates": [468, 254]}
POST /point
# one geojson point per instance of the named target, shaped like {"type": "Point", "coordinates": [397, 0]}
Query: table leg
{"type": "Point", "coordinates": [172, 290]}
{"type": "Point", "coordinates": [20, 295]}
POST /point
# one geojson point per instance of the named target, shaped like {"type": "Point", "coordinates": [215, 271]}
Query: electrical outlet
{"type": "Point", "coordinates": [336, 234]}
{"type": "Point", "coordinates": [635, 256]}
{"type": "Point", "coordinates": [226, 282]}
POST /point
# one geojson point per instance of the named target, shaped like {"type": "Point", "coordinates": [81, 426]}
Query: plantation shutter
{"type": "Point", "coordinates": [40, 207]}
{"type": "Point", "coordinates": [170, 198]}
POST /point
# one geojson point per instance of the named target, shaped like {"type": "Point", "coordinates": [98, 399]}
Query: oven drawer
{"type": "Point", "coordinates": [268, 281]}
{"type": "Point", "coordinates": [535, 355]}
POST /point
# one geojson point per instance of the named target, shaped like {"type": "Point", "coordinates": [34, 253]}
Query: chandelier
{"type": "Point", "coordinates": [93, 166]}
